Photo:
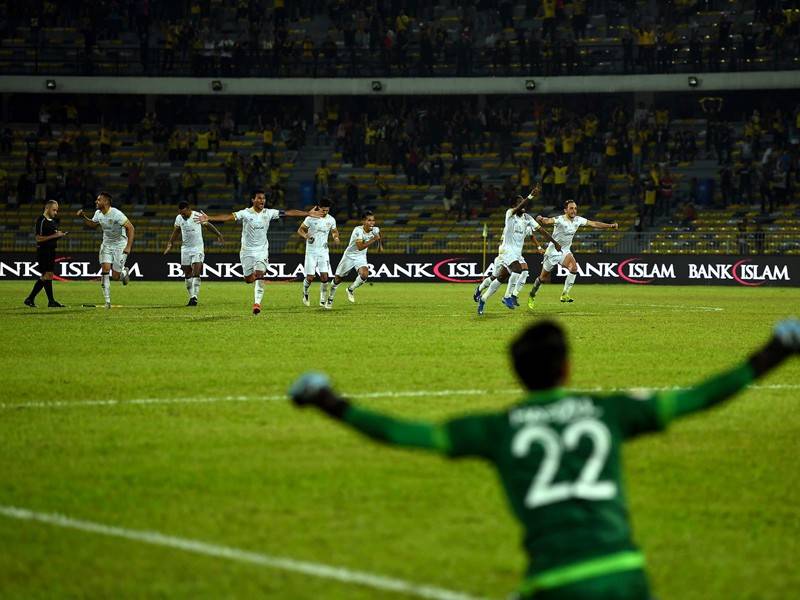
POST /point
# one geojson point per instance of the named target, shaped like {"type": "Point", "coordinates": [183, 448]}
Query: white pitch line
{"type": "Point", "coordinates": [214, 399]}
{"type": "Point", "coordinates": [371, 580]}
{"type": "Point", "coordinates": [355, 396]}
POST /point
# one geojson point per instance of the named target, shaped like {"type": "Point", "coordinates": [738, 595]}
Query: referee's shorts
{"type": "Point", "coordinates": [46, 257]}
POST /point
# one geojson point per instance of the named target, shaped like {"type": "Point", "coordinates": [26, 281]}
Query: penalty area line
{"type": "Point", "coordinates": [512, 394]}
{"type": "Point", "coordinates": [323, 571]}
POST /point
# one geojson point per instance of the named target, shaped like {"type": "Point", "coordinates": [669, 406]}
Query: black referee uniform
{"type": "Point", "coordinates": [46, 257]}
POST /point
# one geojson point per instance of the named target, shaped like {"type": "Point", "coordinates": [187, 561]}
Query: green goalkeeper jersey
{"type": "Point", "coordinates": [558, 456]}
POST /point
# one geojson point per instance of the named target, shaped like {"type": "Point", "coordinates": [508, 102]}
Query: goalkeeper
{"type": "Point", "coordinates": [558, 456]}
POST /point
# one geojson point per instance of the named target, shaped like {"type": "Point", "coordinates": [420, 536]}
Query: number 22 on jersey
{"type": "Point", "coordinates": [544, 490]}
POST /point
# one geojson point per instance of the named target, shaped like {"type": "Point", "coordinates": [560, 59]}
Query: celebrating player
{"type": "Point", "coordinates": [498, 264]}
{"type": "Point", "coordinates": [316, 233]}
{"type": "Point", "coordinates": [558, 457]}
{"type": "Point", "coordinates": [47, 234]}
{"type": "Point", "coordinates": [254, 254]}
{"type": "Point", "coordinates": [564, 228]}
{"type": "Point", "coordinates": [517, 225]}
{"type": "Point", "coordinates": [355, 257]}
{"type": "Point", "coordinates": [192, 247]}
{"type": "Point", "coordinates": [117, 241]}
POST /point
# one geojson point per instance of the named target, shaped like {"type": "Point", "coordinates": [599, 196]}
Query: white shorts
{"type": "Point", "coordinates": [348, 263]}
{"type": "Point", "coordinates": [253, 262]}
{"type": "Point", "coordinates": [317, 263]}
{"type": "Point", "coordinates": [507, 258]}
{"type": "Point", "coordinates": [113, 255]}
{"type": "Point", "coordinates": [552, 259]}
{"type": "Point", "coordinates": [189, 256]}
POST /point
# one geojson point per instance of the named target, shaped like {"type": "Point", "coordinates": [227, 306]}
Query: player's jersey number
{"type": "Point", "coordinates": [543, 489]}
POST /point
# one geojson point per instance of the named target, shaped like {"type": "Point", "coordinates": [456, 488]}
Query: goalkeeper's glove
{"type": "Point", "coordinates": [787, 332]}
{"type": "Point", "coordinates": [315, 389]}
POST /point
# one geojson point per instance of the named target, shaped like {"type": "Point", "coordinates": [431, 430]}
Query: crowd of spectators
{"type": "Point", "coordinates": [574, 153]}
{"type": "Point", "coordinates": [380, 37]}
{"type": "Point", "coordinates": [61, 157]}
{"type": "Point", "coordinates": [465, 151]}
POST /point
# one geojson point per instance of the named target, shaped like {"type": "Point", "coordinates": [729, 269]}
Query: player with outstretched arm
{"type": "Point", "coordinates": [564, 228]}
{"type": "Point", "coordinates": [118, 233]}
{"type": "Point", "coordinates": [254, 253]}
{"type": "Point", "coordinates": [558, 454]}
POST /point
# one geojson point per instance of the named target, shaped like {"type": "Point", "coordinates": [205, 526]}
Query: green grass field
{"type": "Point", "coordinates": [201, 445]}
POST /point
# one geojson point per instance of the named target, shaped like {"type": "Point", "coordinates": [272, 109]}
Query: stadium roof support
{"type": "Point", "coordinates": [420, 86]}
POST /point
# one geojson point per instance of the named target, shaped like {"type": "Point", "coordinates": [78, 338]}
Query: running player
{"type": "Point", "coordinates": [316, 233]}
{"type": "Point", "coordinates": [558, 456]}
{"type": "Point", "coordinates": [254, 254]}
{"type": "Point", "coordinates": [564, 228]}
{"type": "Point", "coordinates": [117, 241]}
{"type": "Point", "coordinates": [47, 234]}
{"type": "Point", "coordinates": [192, 247]}
{"type": "Point", "coordinates": [517, 225]}
{"type": "Point", "coordinates": [355, 257]}
{"type": "Point", "coordinates": [498, 264]}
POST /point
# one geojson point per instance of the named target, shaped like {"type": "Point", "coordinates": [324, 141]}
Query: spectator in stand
{"type": "Point", "coordinates": [322, 178]}
{"type": "Point", "coordinates": [352, 195]}
{"type": "Point", "coordinates": [201, 142]}
{"type": "Point", "coordinates": [190, 184]}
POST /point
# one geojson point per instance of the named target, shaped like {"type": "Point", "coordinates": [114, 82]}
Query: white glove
{"type": "Point", "coordinates": [788, 333]}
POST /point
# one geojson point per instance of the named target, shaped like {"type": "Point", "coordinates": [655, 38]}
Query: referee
{"type": "Point", "coordinates": [47, 235]}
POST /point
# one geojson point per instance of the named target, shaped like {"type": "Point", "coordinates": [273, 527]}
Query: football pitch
{"type": "Point", "coordinates": [149, 450]}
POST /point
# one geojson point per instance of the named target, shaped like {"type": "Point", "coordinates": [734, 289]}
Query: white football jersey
{"type": "Point", "coordinates": [113, 225]}
{"type": "Point", "coordinates": [359, 234]}
{"type": "Point", "coordinates": [254, 228]}
{"type": "Point", "coordinates": [191, 231]}
{"type": "Point", "coordinates": [516, 231]}
{"type": "Point", "coordinates": [564, 230]}
{"type": "Point", "coordinates": [319, 229]}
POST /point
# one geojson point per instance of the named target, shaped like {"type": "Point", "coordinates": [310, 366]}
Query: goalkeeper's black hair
{"type": "Point", "coordinates": [539, 355]}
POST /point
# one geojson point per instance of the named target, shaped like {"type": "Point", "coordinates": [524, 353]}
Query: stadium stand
{"type": "Point", "coordinates": [490, 37]}
{"type": "Point", "coordinates": [434, 171]}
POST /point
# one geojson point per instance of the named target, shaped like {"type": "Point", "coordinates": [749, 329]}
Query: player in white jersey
{"type": "Point", "coordinates": [192, 247]}
{"type": "Point", "coordinates": [564, 228]}
{"type": "Point", "coordinates": [254, 254]}
{"type": "Point", "coordinates": [117, 241]}
{"type": "Point", "coordinates": [316, 233]}
{"type": "Point", "coordinates": [498, 264]}
{"type": "Point", "coordinates": [518, 226]}
{"type": "Point", "coordinates": [355, 257]}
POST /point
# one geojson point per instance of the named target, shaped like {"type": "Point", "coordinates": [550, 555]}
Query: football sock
{"type": "Point", "coordinates": [536, 284]}
{"type": "Point", "coordinates": [37, 287]}
{"type": "Point", "coordinates": [258, 291]}
{"type": "Point", "coordinates": [48, 289]}
{"type": "Point", "coordinates": [323, 291]}
{"type": "Point", "coordinates": [523, 277]}
{"type": "Point", "coordinates": [306, 286]}
{"type": "Point", "coordinates": [195, 287]}
{"type": "Point", "coordinates": [485, 284]}
{"type": "Point", "coordinates": [333, 290]}
{"type": "Point", "coordinates": [493, 287]}
{"type": "Point", "coordinates": [512, 285]}
{"type": "Point", "coordinates": [189, 286]}
{"type": "Point", "coordinates": [569, 282]}
{"type": "Point", "coordinates": [357, 283]}
{"type": "Point", "coordinates": [105, 283]}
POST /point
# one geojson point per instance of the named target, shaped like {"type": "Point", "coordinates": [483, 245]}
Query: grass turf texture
{"type": "Point", "coordinates": [711, 501]}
